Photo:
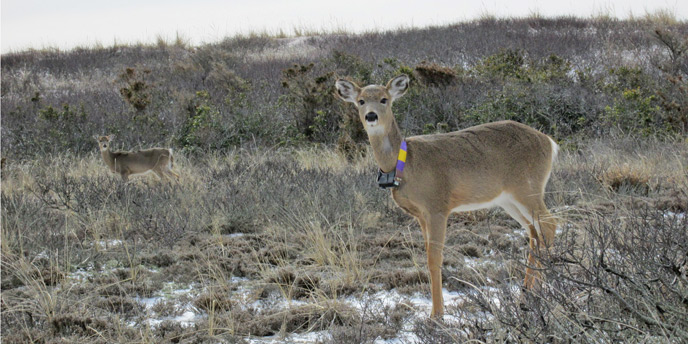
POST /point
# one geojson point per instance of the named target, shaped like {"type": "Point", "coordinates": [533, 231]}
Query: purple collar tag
{"type": "Point", "coordinates": [401, 162]}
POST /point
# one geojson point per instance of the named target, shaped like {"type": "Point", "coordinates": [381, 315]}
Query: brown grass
{"type": "Point", "coordinates": [79, 246]}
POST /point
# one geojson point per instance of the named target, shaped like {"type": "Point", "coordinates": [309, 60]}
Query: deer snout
{"type": "Point", "coordinates": [371, 117]}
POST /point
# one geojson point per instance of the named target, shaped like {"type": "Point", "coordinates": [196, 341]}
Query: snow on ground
{"type": "Point", "coordinates": [368, 303]}
{"type": "Point", "coordinates": [107, 244]}
{"type": "Point", "coordinates": [422, 304]}
{"type": "Point", "coordinates": [675, 216]}
{"type": "Point", "coordinates": [189, 315]}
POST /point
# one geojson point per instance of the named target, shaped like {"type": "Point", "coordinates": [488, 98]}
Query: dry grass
{"type": "Point", "coordinates": [274, 242]}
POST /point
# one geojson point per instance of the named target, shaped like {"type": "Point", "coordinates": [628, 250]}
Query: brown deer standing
{"type": "Point", "coordinates": [158, 160]}
{"type": "Point", "coordinates": [504, 164]}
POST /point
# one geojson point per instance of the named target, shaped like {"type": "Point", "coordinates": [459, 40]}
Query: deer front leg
{"type": "Point", "coordinates": [424, 229]}
{"type": "Point", "coordinates": [436, 230]}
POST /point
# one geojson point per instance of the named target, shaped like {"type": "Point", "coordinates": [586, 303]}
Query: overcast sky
{"type": "Point", "coordinates": [65, 24]}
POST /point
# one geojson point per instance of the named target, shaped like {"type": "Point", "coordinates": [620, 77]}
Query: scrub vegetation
{"type": "Point", "coordinates": [276, 230]}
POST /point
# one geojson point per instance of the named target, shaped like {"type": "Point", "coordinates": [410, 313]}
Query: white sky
{"type": "Point", "coordinates": [66, 24]}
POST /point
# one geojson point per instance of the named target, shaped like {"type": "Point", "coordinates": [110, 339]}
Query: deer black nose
{"type": "Point", "coordinates": [371, 117]}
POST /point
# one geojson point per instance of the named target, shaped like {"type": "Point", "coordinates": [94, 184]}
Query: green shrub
{"type": "Point", "coordinates": [508, 63]}
{"type": "Point", "coordinates": [55, 116]}
{"type": "Point", "coordinates": [539, 105]}
{"type": "Point", "coordinates": [635, 111]}
{"type": "Point", "coordinates": [674, 100]}
{"type": "Point", "coordinates": [625, 78]}
{"type": "Point", "coordinates": [203, 127]}
{"type": "Point", "coordinates": [351, 66]}
{"type": "Point", "coordinates": [636, 107]}
{"type": "Point", "coordinates": [63, 129]}
{"type": "Point", "coordinates": [674, 95]}
{"type": "Point", "coordinates": [552, 69]}
{"type": "Point", "coordinates": [309, 96]}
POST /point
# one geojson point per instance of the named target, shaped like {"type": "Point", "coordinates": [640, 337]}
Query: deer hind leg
{"type": "Point", "coordinates": [167, 168]}
{"type": "Point", "coordinates": [541, 228]}
{"type": "Point", "coordinates": [175, 175]}
{"type": "Point", "coordinates": [164, 172]}
{"type": "Point", "coordinates": [169, 172]}
{"type": "Point", "coordinates": [512, 209]}
{"type": "Point", "coordinates": [435, 235]}
{"type": "Point", "coordinates": [159, 172]}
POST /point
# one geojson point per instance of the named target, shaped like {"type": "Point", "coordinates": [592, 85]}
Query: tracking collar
{"type": "Point", "coordinates": [393, 178]}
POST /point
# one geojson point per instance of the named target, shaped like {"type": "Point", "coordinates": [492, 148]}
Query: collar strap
{"type": "Point", "coordinates": [393, 178]}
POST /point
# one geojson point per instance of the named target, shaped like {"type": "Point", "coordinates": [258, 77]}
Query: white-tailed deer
{"type": "Point", "coordinates": [158, 160]}
{"type": "Point", "coordinates": [504, 164]}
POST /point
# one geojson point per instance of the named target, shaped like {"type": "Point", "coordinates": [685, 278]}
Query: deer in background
{"type": "Point", "coordinates": [128, 163]}
{"type": "Point", "coordinates": [504, 164]}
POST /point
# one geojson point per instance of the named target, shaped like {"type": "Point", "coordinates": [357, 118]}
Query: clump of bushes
{"type": "Point", "coordinates": [310, 96]}
{"type": "Point", "coordinates": [257, 97]}
{"type": "Point", "coordinates": [63, 127]}
{"type": "Point", "coordinates": [625, 177]}
{"type": "Point", "coordinates": [52, 130]}
{"type": "Point", "coordinates": [136, 92]}
{"type": "Point", "coordinates": [508, 63]}
{"type": "Point", "coordinates": [350, 65]}
{"type": "Point", "coordinates": [604, 280]}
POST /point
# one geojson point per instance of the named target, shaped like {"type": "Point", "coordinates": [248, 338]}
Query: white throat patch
{"type": "Point", "coordinates": [386, 146]}
{"type": "Point", "coordinates": [374, 128]}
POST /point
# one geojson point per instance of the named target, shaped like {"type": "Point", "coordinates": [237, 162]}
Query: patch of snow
{"type": "Point", "coordinates": [187, 318]}
{"type": "Point", "coordinates": [148, 302]}
{"type": "Point", "coordinates": [517, 234]}
{"type": "Point", "coordinates": [82, 274]}
{"type": "Point", "coordinates": [674, 216]}
{"type": "Point", "coordinates": [42, 255]}
{"type": "Point", "coordinates": [109, 243]}
{"type": "Point", "coordinates": [421, 303]}
{"type": "Point", "coordinates": [385, 298]}
{"type": "Point", "coordinates": [272, 301]}
{"type": "Point", "coordinates": [471, 262]}
{"type": "Point", "coordinates": [235, 279]}
{"type": "Point", "coordinates": [234, 235]}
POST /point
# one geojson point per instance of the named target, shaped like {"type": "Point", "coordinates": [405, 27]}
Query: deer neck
{"type": "Point", "coordinates": [108, 158]}
{"type": "Point", "coordinates": [386, 147]}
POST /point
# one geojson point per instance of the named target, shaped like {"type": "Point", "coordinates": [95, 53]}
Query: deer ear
{"type": "Point", "coordinates": [110, 137]}
{"type": "Point", "coordinates": [398, 86]}
{"type": "Point", "coordinates": [347, 90]}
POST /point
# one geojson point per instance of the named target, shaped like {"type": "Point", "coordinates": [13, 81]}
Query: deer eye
{"type": "Point", "coordinates": [383, 101]}
{"type": "Point", "coordinates": [361, 102]}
